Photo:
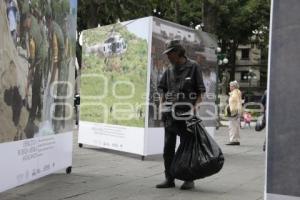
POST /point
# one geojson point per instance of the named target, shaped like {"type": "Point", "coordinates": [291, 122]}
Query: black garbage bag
{"type": "Point", "coordinates": [198, 156]}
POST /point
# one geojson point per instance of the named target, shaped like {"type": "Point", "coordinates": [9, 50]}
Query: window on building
{"type": "Point", "coordinates": [245, 54]}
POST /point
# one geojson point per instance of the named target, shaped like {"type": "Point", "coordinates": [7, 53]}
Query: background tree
{"type": "Point", "coordinates": [233, 21]}
{"type": "Point", "coordinates": [103, 12]}
{"type": "Point", "coordinates": [91, 13]}
{"type": "Point", "coordinates": [236, 21]}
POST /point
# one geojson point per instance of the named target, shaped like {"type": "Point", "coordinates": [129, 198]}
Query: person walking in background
{"type": "Point", "coordinates": [234, 111]}
{"type": "Point", "coordinates": [177, 84]}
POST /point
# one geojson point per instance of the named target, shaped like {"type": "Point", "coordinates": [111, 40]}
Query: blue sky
{"type": "Point", "coordinates": [73, 3]}
{"type": "Point", "coordinates": [139, 27]}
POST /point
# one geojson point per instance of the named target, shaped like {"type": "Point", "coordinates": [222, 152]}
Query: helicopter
{"type": "Point", "coordinates": [114, 45]}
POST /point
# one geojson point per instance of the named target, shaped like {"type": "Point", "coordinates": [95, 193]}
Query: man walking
{"type": "Point", "coordinates": [181, 88]}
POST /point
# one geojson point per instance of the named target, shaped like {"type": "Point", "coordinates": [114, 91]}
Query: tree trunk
{"type": "Point", "coordinates": [232, 59]}
{"type": "Point", "coordinates": [177, 15]}
{"type": "Point", "coordinates": [209, 17]}
{"type": "Point", "coordinates": [92, 21]}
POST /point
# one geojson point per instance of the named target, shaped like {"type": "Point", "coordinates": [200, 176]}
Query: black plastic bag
{"type": "Point", "coordinates": [198, 156]}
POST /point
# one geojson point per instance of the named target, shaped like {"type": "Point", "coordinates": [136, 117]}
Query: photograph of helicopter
{"type": "Point", "coordinates": [114, 45]}
{"type": "Point", "coordinates": [114, 73]}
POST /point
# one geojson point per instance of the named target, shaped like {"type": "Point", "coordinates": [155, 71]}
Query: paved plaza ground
{"type": "Point", "coordinates": [100, 174]}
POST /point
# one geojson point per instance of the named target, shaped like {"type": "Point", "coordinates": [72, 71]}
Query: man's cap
{"type": "Point", "coordinates": [172, 45]}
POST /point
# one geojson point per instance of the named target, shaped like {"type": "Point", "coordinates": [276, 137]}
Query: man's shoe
{"type": "Point", "coordinates": [233, 143]}
{"type": "Point", "coordinates": [187, 185]}
{"type": "Point", "coordinates": [166, 184]}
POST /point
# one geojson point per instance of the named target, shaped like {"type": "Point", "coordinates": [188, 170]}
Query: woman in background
{"type": "Point", "coordinates": [234, 111]}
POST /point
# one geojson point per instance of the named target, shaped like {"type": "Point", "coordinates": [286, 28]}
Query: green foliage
{"type": "Point", "coordinates": [237, 19]}
{"type": "Point", "coordinates": [131, 67]}
{"type": "Point", "coordinates": [94, 12]}
{"type": "Point", "coordinates": [233, 21]}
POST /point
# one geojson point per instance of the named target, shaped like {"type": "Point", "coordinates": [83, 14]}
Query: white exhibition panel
{"type": "Point", "coordinates": [154, 141]}
{"type": "Point", "coordinates": [141, 141]}
{"type": "Point", "coordinates": [115, 137]}
{"type": "Point", "coordinates": [147, 138]}
{"type": "Point", "coordinates": [30, 159]}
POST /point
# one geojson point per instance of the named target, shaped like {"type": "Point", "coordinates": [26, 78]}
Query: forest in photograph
{"type": "Point", "coordinates": [114, 76]}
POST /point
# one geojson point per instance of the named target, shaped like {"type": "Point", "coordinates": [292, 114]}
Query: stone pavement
{"type": "Point", "coordinates": [100, 174]}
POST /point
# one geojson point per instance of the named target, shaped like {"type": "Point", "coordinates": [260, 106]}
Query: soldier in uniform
{"type": "Point", "coordinates": [37, 57]}
{"type": "Point", "coordinates": [57, 56]}
{"type": "Point", "coordinates": [38, 10]}
{"type": "Point", "coordinates": [64, 71]}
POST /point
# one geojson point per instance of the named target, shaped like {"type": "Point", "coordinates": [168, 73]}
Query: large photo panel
{"type": "Point", "coordinates": [37, 59]}
{"type": "Point", "coordinates": [200, 47]}
{"type": "Point", "coordinates": [114, 85]}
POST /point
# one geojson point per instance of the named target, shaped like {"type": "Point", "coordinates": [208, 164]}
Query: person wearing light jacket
{"type": "Point", "coordinates": [234, 111]}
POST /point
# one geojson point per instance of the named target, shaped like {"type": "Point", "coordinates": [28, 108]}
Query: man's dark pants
{"type": "Point", "coordinates": [172, 129]}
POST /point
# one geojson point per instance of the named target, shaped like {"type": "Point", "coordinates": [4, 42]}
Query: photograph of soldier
{"type": "Point", "coordinates": [57, 50]}
{"type": "Point", "coordinates": [37, 58]}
